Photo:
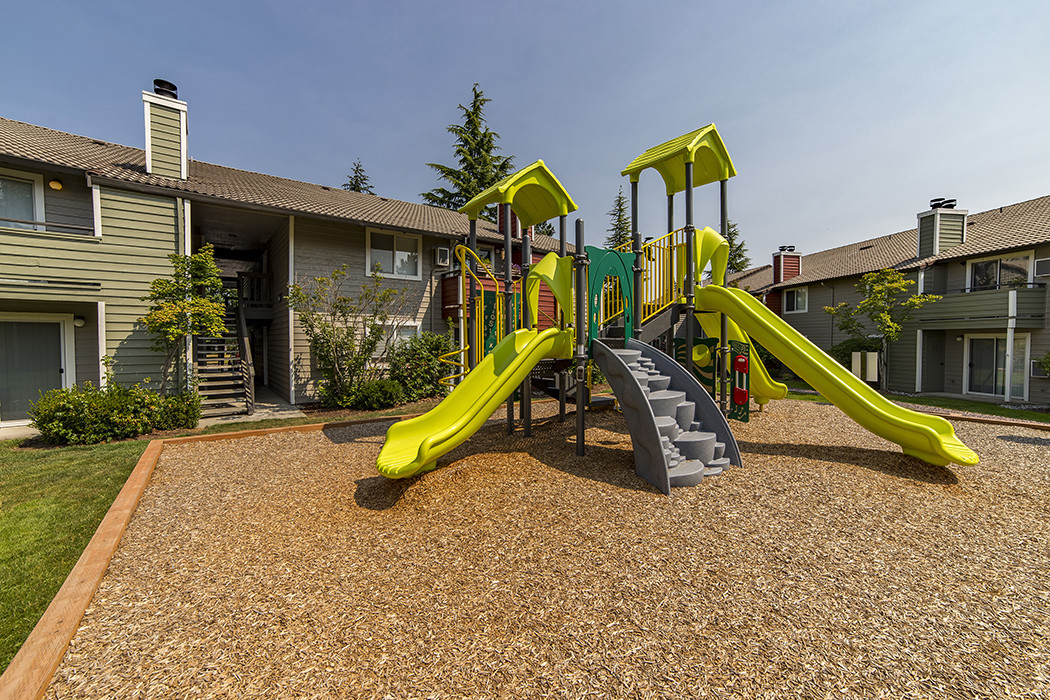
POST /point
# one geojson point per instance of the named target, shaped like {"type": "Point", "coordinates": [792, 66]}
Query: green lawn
{"type": "Point", "coordinates": [51, 502]}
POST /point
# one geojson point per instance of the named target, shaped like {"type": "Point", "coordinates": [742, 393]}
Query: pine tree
{"type": "Point", "coordinates": [357, 180]}
{"type": "Point", "coordinates": [479, 166]}
{"type": "Point", "coordinates": [544, 228]}
{"type": "Point", "coordinates": [620, 229]}
{"type": "Point", "coordinates": [738, 258]}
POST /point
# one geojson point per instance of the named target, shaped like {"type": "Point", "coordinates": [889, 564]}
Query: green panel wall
{"type": "Point", "coordinates": [139, 232]}
{"type": "Point", "coordinates": [926, 236]}
{"type": "Point", "coordinates": [950, 230]}
{"type": "Point", "coordinates": [165, 141]}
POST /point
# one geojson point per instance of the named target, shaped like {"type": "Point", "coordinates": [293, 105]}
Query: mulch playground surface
{"type": "Point", "coordinates": [830, 565]}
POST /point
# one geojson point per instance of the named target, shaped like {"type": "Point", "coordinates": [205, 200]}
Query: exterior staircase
{"type": "Point", "coordinates": [225, 377]}
{"type": "Point", "coordinates": [678, 433]}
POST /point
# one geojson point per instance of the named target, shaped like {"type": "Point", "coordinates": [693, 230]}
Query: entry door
{"type": "Point", "coordinates": [988, 372]}
{"type": "Point", "coordinates": [30, 363]}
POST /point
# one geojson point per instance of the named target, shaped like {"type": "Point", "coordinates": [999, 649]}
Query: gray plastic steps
{"type": "Point", "coordinates": [689, 473]}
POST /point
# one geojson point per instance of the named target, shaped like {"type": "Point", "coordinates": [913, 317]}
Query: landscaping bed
{"type": "Point", "coordinates": [830, 565]}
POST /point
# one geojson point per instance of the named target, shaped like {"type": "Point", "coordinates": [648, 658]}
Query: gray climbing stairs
{"type": "Point", "coordinates": [678, 433]}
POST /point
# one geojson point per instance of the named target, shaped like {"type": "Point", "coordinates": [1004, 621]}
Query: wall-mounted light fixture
{"type": "Point", "coordinates": [78, 321]}
{"type": "Point", "coordinates": [958, 338]}
{"type": "Point", "coordinates": [55, 184]}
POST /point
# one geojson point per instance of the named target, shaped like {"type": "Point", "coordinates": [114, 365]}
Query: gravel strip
{"type": "Point", "coordinates": [831, 565]}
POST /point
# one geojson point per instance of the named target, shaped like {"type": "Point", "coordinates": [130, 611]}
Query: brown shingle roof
{"type": "Point", "coordinates": [1003, 229]}
{"type": "Point", "coordinates": [126, 164]}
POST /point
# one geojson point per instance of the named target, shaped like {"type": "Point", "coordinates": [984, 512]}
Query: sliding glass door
{"type": "Point", "coordinates": [987, 371]}
{"type": "Point", "coordinates": [31, 362]}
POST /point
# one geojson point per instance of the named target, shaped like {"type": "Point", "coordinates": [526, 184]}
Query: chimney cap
{"type": "Point", "coordinates": [942, 203]}
{"type": "Point", "coordinates": [165, 88]}
{"type": "Point", "coordinates": [787, 249]}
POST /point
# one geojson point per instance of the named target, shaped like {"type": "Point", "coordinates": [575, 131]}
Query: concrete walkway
{"type": "Point", "coordinates": [267, 405]}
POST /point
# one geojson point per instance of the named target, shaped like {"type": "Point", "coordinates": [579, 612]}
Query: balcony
{"type": "Point", "coordinates": [986, 308]}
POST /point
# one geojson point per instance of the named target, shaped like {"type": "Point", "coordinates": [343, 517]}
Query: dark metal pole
{"type": "Point", "coordinates": [669, 335]}
{"type": "Point", "coordinates": [690, 273]}
{"type": "Point", "coordinates": [564, 374]}
{"type": "Point", "coordinates": [724, 340]}
{"type": "Point", "coordinates": [581, 336]}
{"type": "Point", "coordinates": [472, 243]}
{"type": "Point", "coordinates": [508, 301]}
{"type": "Point", "coordinates": [526, 386]}
{"type": "Point", "coordinates": [636, 246]}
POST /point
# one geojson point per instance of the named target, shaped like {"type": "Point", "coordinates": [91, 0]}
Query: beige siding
{"type": "Point", "coordinates": [165, 140]}
{"type": "Point", "coordinates": [279, 372]}
{"type": "Point", "coordinates": [321, 247]}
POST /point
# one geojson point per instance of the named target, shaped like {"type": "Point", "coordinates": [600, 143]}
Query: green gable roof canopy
{"type": "Point", "coordinates": [533, 193]}
{"type": "Point", "coordinates": [703, 148]}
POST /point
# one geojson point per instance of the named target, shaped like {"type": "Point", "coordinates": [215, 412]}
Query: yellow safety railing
{"type": "Point", "coordinates": [475, 309]}
{"type": "Point", "coordinates": [659, 286]}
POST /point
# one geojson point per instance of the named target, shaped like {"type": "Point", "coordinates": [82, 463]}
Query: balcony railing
{"type": "Point", "coordinates": [991, 308]}
{"type": "Point", "coordinates": [44, 226]}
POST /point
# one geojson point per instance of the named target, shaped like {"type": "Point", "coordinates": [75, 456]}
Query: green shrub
{"type": "Point", "coordinates": [179, 411]}
{"type": "Point", "coordinates": [86, 415]}
{"type": "Point", "coordinates": [377, 394]}
{"type": "Point", "coordinates": [415, 366]}
{"type": "Point", "coordinates": [772, 364]}
{"type": "Point", "coordinates": [1044, 362]}
{"type": "Point", "coordinates": [843, 352]}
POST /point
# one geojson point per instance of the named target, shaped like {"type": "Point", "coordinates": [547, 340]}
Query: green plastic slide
{"type": "Point", "coordinates": [763, 387]}
{"type": "Point", "coordinates": [930, 438]}
{"type": "Point", "coordinates": [414, 445]}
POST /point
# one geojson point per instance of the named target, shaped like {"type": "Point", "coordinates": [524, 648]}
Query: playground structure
{"type": "Point", "coordinates": [612, 308]}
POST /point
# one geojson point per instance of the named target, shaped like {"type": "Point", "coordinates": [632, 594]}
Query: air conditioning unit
{"type": "Point", "coordinates": [1042, 267]}
{"type": "Point", "coordinates": [442, 256]}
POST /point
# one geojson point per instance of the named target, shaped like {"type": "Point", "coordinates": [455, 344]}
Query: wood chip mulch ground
{"type": "Point", "coordinates": [830, 565]}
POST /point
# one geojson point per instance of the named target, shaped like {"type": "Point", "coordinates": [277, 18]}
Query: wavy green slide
{"type": "Point", "coordinates": [414, 445]}
{"type": "Point", "coordinates": [930, 438]}
{"type": "Point", "coordinates": [763, 387]}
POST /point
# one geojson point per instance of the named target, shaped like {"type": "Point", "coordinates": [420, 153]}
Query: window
{"type": "Point", "coordinates": [395, 333]}
{"type": "Point", "coordinates": [21, 199]}
{"type": "Point", "coordinates": [997, 273]}
{"type": "Point", "coordinates": [795, 301]}
{"type": "Point", "coordinates": [395, 254]}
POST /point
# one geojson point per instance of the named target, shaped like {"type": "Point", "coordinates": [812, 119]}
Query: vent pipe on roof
{"type": "Point", "coordinates": [942, 203]}
{"type": "Point", "coordinates": [165, 89]}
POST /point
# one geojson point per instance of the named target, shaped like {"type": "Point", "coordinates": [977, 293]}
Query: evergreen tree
{"type": "Point", "coordinates": [545, 228]}
{"type": "Point", "coordinates": [479, 166]}
{"type": "Point", "coordinates": [620, 228]}
{"type": "Point", "coordinates": [738, 258]}
{"type": "Point", "coordinates": [357, 180]}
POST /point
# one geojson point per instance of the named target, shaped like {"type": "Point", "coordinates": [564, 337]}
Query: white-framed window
{"type": "Point", "coordinates": [21, 200]}
{"type": "Point", "coordinates": [1000, 271]}
{"type": "Point", "coordinates": [796, 300]}
{"type": "Point", "coordinates": [397, 255]}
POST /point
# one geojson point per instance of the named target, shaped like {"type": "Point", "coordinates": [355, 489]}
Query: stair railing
{"type": "Point", "coordinates": [660, 288]}
{"type": "Point", "coordinates": [246, 364]}
{"type": "Point", "coordinates": [476, 309]}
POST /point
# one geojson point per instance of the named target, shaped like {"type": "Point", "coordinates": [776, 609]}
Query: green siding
{"type": "Point", "coordinates": [984, 310]}
{"type": "Point", "coordinates": [950, 230]}
{"type": "Point", "coordinates": [926, 236]}
{"type": "Point", "coordinates": [165, 140]}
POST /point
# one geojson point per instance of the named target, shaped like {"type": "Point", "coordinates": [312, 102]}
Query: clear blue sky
{"type": "Point", "coordinates": [843, 119]}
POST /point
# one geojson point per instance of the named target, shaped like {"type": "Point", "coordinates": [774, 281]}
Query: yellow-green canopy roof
{"type": "Point", "coordinates": [703, 148]}
{"type": "Point", "coordinates": [534, 194]}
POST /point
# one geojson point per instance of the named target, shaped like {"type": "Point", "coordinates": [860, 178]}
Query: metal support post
{"type": "Point", "coordinates": [636, 248]}
{"type": "Point", "coordinates": [690, 273]}
{"type": "Point", "coordinates": [508, 301]}
{"type": "Point", "coordinates": [526, 386]}
{"type": "Point", "coordinates": [563, 380]}
{"type": "Point", "coordinates": [581, 336]}
{"type": "Point", "coordinates": [723, 341]}
{"type": "Point", "coordinates": [472, 243]}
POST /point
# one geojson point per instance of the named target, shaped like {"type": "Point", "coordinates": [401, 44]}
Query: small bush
{"type": "Point", "coordinates": [415, 366]}
{"type": "Point", "coordinates": [374, 395]}
{"type": "Point", "coordinates": [179, 411]}
{"type": "Point", "coordinates": [87, 415]}
{"type": "Point", "coordinates": [843, 352]}
{"type": "Point", "coordinates": [772, 364]}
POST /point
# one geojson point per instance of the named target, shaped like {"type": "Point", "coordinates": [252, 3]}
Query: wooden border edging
{"type": "Point", "coordinates": [30, 671]}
